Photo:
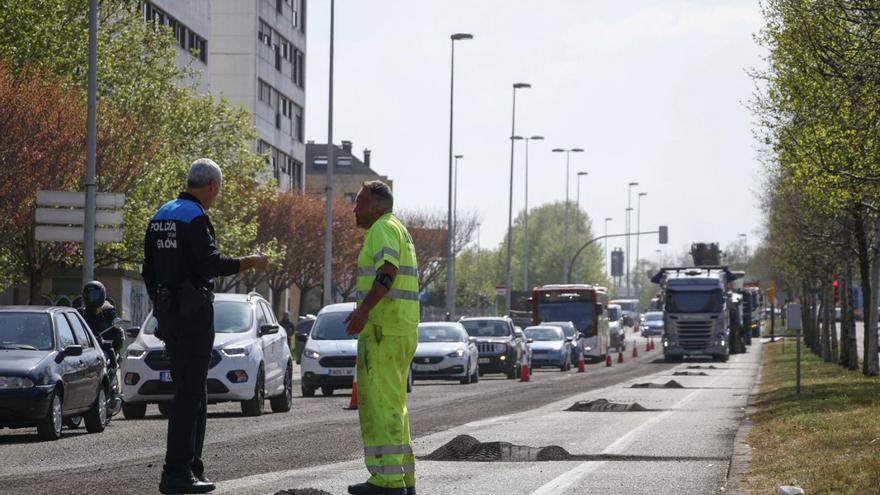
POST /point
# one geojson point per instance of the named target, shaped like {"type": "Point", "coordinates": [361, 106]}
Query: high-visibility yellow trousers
{"type": "Point", "coordinates": [382, 371]}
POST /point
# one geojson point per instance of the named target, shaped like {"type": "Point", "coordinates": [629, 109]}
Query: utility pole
{"type": "Point", "coordinates": [91, 148]}
{"type": "Point", "coordinates": [331, 162]}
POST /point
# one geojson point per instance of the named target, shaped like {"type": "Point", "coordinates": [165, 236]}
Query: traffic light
{"type": "Point", "coordinates": [617, 262]}
{"type": "Point", "coordinates": [835, 284]}
{"type": "Point", "coordinates": [664, 234]}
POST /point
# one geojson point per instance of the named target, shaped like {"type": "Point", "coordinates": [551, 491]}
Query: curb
{"type": "Point", "coordinates": [742, 451]}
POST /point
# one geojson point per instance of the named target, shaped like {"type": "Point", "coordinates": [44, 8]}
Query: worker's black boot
{"type": "Point", "coordinates": [370, 489]}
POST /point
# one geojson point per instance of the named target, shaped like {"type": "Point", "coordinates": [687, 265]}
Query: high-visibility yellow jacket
{"type": "Point", "coordinates": [389, 241]}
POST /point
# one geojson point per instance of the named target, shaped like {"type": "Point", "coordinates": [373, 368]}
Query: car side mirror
{"type": "Point", "coordinates": [302, 337]}
{"type": "Point", "coordinates": [132, 332]}
{"type": "Point", "coordinates": [529, 341]}
{"type": "Point", "coordinates": [69, 351]}
{"type": "Point", "coordinates": [268, 329]}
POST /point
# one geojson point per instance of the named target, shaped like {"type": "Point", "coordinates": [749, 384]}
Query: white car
{"type": "Point", "coordinates": [445, 351]}
{"type": "Point", "coordinates": [249, 363]}
{"type": "Point", "coordinates": [330, 354]}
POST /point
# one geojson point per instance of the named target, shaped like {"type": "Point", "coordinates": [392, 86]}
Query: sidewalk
{"type": "Point", "coordinates": [683, 443]}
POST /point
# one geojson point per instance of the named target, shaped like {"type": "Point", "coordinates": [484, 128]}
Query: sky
{"type": "Point", "coordinates": [656, 92]}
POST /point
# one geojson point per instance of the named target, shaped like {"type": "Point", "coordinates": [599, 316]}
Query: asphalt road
{"type": "Point", "coordinates": [127, 457]}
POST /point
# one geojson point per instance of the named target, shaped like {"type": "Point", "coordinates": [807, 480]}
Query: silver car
{"type": "Point", "coordinates": [446, 352]}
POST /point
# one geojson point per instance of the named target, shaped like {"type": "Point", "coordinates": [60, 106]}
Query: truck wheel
{"type": "Point", "coordinates": [511, 373]}
{"type": "Point", "coordinates": [165, 409]}
{"type": "Point", "coordinates": [307, 391]}
{"type": "Point", "coordinates": [327, 391]}
{"type": "Point", "coordinates": [134, 410]}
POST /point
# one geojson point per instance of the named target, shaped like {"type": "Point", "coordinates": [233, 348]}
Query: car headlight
{"type": "Point", "coordinates": [500, 348]}
{"type": "Point", "coordinates": [15, 382]}
{"type": "Point", "coordinates": [236, 351]}
{"type": "Point", "coordinates": [311, 354]}
{"type": "Point", "coordinates": [456, 354]}
{"type": "Point", "coordinates": [135, 353]}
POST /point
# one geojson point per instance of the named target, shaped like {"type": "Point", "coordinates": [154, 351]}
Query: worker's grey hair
{"type": "Point", "coordinates": [202, 172]}
{"type": "Point", "coordinates": [380, 192]}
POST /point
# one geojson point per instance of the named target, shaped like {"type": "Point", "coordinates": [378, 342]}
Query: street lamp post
{"type": "Point", "coordinates": [454, 229]}
{"type": "Point", "coordinates": [638, 237]}
{"type": "Point", "coordinates": [578, 212]}
{"type": "Point", "coordinates": [526, 217]}
{"type": "Point", "coordinates": [628, 232]}
{"type": "Point", "coordinates": [479, 273]}
{"type": "Point", "coordinates": [450, 261]}
{"type": "Point", "coordinates": [516, 86]}
{"type": "Point", "coordinates": [566, 259]}
{"type": "Point", "coordinates": [91, 148]}
{"type": "Point", "coordinates": [328, 207]}
{"type": "Point", "coordinates": [605, 242]}
{"type": "Point", "coordinates": [745, 238]}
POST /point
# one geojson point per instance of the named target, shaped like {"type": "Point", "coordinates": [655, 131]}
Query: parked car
{"type": "Point", "coordinates": [616, 330]}
{"type": "Point", "coordinates": [52, 371]}
{"type": "Point", "coordinates": [301, 334]}
{"type": "Point", "coordinates": [499, 347]}
{"type": "Point", "coordinates": [330, 354]}
{"type": "Point", "coordinates": [445, 351]}
{"type": "Point", "coordinates": [250, 361]}
{"type": "Point", "coordinates": [653, 324]}
{"type": "Point", "coordinates": [579, 342]}
{"type": "Point", "coordinates": [550, 347]}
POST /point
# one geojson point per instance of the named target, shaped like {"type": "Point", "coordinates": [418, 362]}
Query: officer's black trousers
{"type": "Point", "coordinates": [189, 350]}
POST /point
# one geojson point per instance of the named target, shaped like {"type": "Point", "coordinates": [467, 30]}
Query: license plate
{"type": "Point", "coordinates": [427, 367]}
{"type": "Point", "coordinates": [164, 376]}
{"type": "Point", "coordinates": [342, 372]}
{"type": "Point", "coordinates": [483, 360]}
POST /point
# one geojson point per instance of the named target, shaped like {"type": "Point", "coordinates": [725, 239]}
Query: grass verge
{"type": "Point", "coordinates": [825, 440]}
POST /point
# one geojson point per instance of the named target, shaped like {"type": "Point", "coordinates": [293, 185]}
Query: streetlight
{"type": "Point", "coordinates": [605, 242]}
{"type": "Point", "coordinates": [566, 258]}
{"type": "Point", "coordinates": [454, 229]}
{"type": "Point", "coordinates": [479, 282]}
{"type": "Point", "coordinates": [628, 232]}
{"type": "Point", "coordinates": [638, 237]}
{"type": "Point", "coordinates": [516, 86]}
{"type": "Point", "coordinates": [450, 262]}
{"type": "Point", "coordinates": [745, 238]}
{"type": "Point", "coordinates": [328, 207]}
{"type": "Point", "coordinates": [578, 200]}
{"type": "Point", "coordinates": [526, 217]}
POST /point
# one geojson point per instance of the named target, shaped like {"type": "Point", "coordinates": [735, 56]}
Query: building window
{"type": "Point", "coordinates": [298, 122]}
{"type": "Point", "coordinates": [300, 69]}
{"type": "Point", "coordinates": [343, 161]}
{"type": "Point", "coordinates": [320, 162]}
{"type": "Point", "coordinates": [186, 38]}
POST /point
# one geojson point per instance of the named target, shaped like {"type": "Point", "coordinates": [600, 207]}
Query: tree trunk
{"type": "Point", "coordinates": [870, 367]}
{"type": "Point", "coordinates": [832, 321]}
{"type": "Point", "coordinates": [35, 289]}
{"type": "Point", "coordinates": [843, 294]}
{"type": "Point", "coordinates": [829, 342]}
{"type": "Point", "coordinates": [850, 327]}
{"type": "Point", "coordinates": [865, 273]}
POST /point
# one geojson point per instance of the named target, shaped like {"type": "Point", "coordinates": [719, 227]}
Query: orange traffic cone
{"type": "Point", "coordinates": [353, 405]}
{"type": "Point", "coordinates": [581, 367]}
{"type": "Point", "coordinates": [607, 360]}
{"type": "Point", "coordinates": [619, 357]}
{"type": "Point", "coordinates": [647, 346]}
{"type": "Point", "coordinates": [524, 374]}
{"type": "Point", "coordinates": [635, 348]}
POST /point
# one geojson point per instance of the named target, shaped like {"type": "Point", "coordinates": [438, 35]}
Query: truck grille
{"type": "Point", "coordinates": [486, 348]}
{"type": "Point", "coordinates": [694, 335]}
{"type": "Point", "coordinates": [337, 361]}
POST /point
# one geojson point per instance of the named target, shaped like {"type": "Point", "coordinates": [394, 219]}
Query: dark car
{"type": "Point", "coordinates": [301, 334]}
{"type": "Point", "coordinates": [499, 345]}
{"type": "Point", "coordinates": [52, 371]}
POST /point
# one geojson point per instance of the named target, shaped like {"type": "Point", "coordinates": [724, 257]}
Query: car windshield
{"type": "Point", "coordinates": [579, 313]}
{"type": "Point", "coordinates": [305, 326]}
{"type": "Point", "coordinates": [693, 301]}
{"type": "Point", "coordinates": [544, 334]}
{"type": "Point", "coordinates": [486, 328]}
{"type": "Point", "coordinates": [229, 317]}
{"type": "Point", "coordinates": [567, 329]}
{"type": "Point", "coordinates": [26, 331]}
{"type": "Point", "coordinates": [654, 317]}
{"type": "Point", "coordinates": [614, 313]}
{"type": "Point", "coordinates": [440, 333]}
{"type": "Point", "coordinates": [331, 326]}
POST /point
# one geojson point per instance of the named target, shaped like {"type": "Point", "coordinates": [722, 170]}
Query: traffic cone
{"type": "Point", "coordinates": [524, 374]}
{"type": "Point", "coordinates": [619, 357]}
{"type": "Point", "coordinates": [607, 360]}
{"type": "Point", "coordinates": [647, 346]}
{"type": "Point", "coordinates": [581, 367]}
{"type": "Point", "coordinates": [353, 405]}
{"type": "Point", "coordinates": [635, 348]}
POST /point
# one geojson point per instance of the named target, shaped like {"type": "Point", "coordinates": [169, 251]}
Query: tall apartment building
{"type": "Point", "coordinates": [253, 53]}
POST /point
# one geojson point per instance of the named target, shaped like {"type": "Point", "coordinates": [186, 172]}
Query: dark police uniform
{"type": "Point", "coordinates": [180, 259]}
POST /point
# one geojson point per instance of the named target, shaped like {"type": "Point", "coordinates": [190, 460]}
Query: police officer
{"type": "Point", "coordinates": [386, 320]}
{"type": "Point", "coordinates": [98, 312]}
{"type": "Point", "coordinates": [180, 260]}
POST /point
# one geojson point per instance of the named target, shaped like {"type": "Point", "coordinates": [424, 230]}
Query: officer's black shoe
{"type": "Point", "coordinates": [183, 484]}
{"type": "Point", "coordinates": [410, 490]}
{"type": "Point", "coordinates": [370, 489]}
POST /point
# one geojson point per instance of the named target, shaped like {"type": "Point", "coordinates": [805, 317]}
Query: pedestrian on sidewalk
{"type": "Point", "coordinates": [180, 260]}
{"type": "Point", "coordinates": [386, 321]}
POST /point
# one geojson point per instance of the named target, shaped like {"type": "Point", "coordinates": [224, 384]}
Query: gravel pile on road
{"type": "Point", "coordinates": [469, 449]}
{"type": "Point", "coordinates": [602, 405]}
{"type": "Point", "coordinates": [698, 367]}
{"type": "Point", "coordinates": [688, 373]}
{"type": "Point", "coordinates": [669, 384]}
{"type": "Point", "coordinates": [303, 491]}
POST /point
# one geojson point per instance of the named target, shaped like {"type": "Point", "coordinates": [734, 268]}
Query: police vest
{"type": "Point", "coordinates": [389, 241]}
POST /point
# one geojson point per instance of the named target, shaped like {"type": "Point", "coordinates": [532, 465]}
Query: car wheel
{"type": "Point", "coordinates": [282, 403]}
{"type": "Point", "coordinates": [254, 406]}
{"type": "Point", "coordinates": [96, 418]}
{"type": "Point", "coordinates": [73, 422]}
{"type": "Point", "coordinates": [511, 373]}
{"type": "Point", "coordinates": [134, 410]}
{"type": "Point", "coordinates": [467, 380]}
{"type": "Point", "coordinates": [476, 377]}
{"type": "Point", "coordinates": [49, 428]}
{"type": "Point", "coordinates": [165, 409]}
{"type": "Point", "coordinates": [307, 391]}
{"type": "Point", "coordinates": [327, 391]}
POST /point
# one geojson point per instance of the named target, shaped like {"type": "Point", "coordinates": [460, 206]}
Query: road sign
{"type": "Point", "coordinates": [74, 234]}
{"type": "Point", "coordinates": [78, 199]}
{"type": "Point", "coordinates": [500, 290]}
{"type": "Point", "coordinates": [77, 216]}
